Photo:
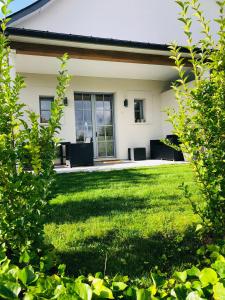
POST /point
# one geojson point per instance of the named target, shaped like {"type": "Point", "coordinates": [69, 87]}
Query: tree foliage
{"type": "Point", "coordinates": [24, 144]}
{"type": "Point", "coordinates": [200, 119]}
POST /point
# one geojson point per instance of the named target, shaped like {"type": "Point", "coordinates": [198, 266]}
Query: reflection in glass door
{"type": "Point", "coordinates": [94, 119]}
{"type": "Point", "coordinates": [104, 125]}
{"type": "Point", "coordinates": [83, 116]}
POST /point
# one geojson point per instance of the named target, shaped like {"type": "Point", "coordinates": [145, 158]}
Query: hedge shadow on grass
{"type": "Point", "coordinates": [134, 256]}
{"type": "Point", "coordinates": [78, 182]}
{"type": "Point", "coordinates": [106, 206]}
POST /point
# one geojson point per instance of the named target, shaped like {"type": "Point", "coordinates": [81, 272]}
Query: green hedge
{"type": "Point", "coordinates": [205, 281]}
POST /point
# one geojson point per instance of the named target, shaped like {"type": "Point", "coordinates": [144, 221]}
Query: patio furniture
{"type": "Point", "coordinates": [158, 150]}
{"type": "Point", "coordinates": [137, 154]}
{"type": "Point", "coordinates": [77, 154]}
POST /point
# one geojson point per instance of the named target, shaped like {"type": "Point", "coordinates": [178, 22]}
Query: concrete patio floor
{"type": "Point", "coordinates": [116, 165]}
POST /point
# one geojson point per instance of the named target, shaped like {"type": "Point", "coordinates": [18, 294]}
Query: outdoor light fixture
{"type": "Point", "coordinates": [125, 103]}
{"type": "Point", "coordinates": [65, 101]}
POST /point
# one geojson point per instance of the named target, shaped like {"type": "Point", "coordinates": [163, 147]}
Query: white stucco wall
{"type": "Point", "coordinates": [153, 21]}
{"type": "Point", "coordinates": [167, 101]}
{"type": "Point", "coordinates": [127, 132]}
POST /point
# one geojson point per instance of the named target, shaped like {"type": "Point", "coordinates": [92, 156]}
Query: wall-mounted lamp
{"type": "Point", "coordinates": [125, 103]}
{"type": "Point", "coordinates": [65, 101]}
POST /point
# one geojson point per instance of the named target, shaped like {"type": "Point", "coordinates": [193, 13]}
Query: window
{"type": "Point", "coordinates": [45, 108]}
{"type": "Point", "coordinates": [83, 112]}
{"type": "Point", "coordinates": [139, 111]}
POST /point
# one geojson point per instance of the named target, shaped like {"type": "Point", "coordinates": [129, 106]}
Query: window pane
{"type": "Point", "coordinates": [100, 117]}
{"type": "Point", "coordinates": [110, 149]}
{"type": "Point", "coordinates": [108, 117]}
{"type": "Point", "coordinates": [79, 134]}
{"type": "Point", "coordinates": [79, 104]}
{"type": "Point", "coordinates": [137, 116]}
{"type": "Point", "coordinates": [87, 105]}
{"type": "Point", "coordinates": [108, 98]}
{"type": "Point", "coordinates": [107, 105]}
{"type": "Point", "coordinates": [45, 116]}
{"type": "Point", "coordinates": [79, 116]}
{"type": "Point", "coordinates": [45, 104]}
{"type": "Point", "coordinates": [89, 132]}
{"type": "Point", "coordinates": [138, 110]}
{"type": "Point", "coordinates": [137, 104]}
{"type": "Point", "coordinates": [99, 105]}
{"type": "Point", "coordinates": [78, 96]}
{"type": "Point", "coordinates": [87, 116]}
{"type": "Point", "coordinates": [109, 133]}
{"type": "Point", "coordinates": [102, 149]}
{"type": "Point", "coordinates": [99, 97]}
{"type": "Point", "coordinates": [87, 97]}
{"type": "Point", "coordinates": [101, 133]}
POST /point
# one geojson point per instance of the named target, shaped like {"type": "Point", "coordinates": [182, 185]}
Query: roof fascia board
{"type": "Point", "coordinates": [88, 39]}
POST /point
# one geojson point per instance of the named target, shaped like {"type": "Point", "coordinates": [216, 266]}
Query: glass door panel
{"type": "Point", "coordinates": [83, 116]}
{"type": "Point", "coordinates": [104, 120]}
{"type": "Point", "coordinates": [94, 119]}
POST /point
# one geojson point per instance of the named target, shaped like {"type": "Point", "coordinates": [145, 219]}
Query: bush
{"type": "Point", "coordinates": [24, 195]}
{"type": "Point", "coordinates": [205, 281]}
{"type": "Point", "coordinates": [200, 119]}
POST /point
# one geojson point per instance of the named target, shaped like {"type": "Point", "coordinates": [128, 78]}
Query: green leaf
{"type": "Point", "coordinates": [25, 257]}
{"type": "Point", "coordinates": [208, 276]}
{"type": "Point", "coordinates": [83, 290]}
{"type": "Point", "coordinates": [157, 279]}
{"type": "Point", "coordinates": [62, 269]}
{"type": "Point", "coordinates": [99, 275]}
{"type": "Point", "coordinates": [4, 10]}
{"type": "Point", "coordinates": [104, 293]}
{"type": "Point", "coordinates": [180, 291]}
{"type": "Point", "coordinates": [119, 286]}
{"type": "Point", "coordinates": [219, 266]}
{"type": "Point", "coordinates": [196, 285]}
{"type": "Point", "coordinates": [219, 291]}
{"type": "Point", "coordinates": [13, 287]}
{"type": "Point", "coordinates": [143, 294]}
{"type": "Point", "coordinates": [27, 275]}
{"type": "Point", "coordinates": [28, 296]}
{"type": "Point", "coordinates": [181, 276]}
{"type": "Point", "coordinates": [6, 293]}
{"type": "Point", "coordinates": [3, 256]}
{"type": "Point", "coordinates": [100, 290]}
{"type": "Point", "coordinates": [193, 272]}
{"type": "Point", "coordinates": [193, 296]}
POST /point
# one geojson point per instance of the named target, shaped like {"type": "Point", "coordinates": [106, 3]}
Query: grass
{"type": "Point", "coordinates": [125, 221]}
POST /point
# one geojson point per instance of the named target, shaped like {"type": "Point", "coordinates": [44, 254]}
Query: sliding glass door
{"type": "Point", "coordinates": [95, 120]}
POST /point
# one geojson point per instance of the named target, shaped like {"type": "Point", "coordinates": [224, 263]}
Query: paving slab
{"type": "Point", "coordinates": [122, 165]}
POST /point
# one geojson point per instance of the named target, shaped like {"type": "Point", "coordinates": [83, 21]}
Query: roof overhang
{"type": "Point", "coordinates": [46, 35]}
{"type": "Point", "coordinates": [39, 43]}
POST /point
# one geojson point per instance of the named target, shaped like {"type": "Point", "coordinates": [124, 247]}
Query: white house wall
{"type": "Point", "coordinates": [127, 132]}
{"type": "Point", "coordinates": [167, 101]}
{"type": "Point", "coordinates": [153, 21]}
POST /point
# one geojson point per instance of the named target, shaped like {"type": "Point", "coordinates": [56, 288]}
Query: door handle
{"type": "Point", "coordinates": [96, 134]}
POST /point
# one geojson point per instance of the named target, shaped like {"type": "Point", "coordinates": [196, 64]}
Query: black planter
{"type": "Point", "coordinates": [81, 155]}
{"type": "Point", "coordinates": [159, 150]}
{"type": "Point", "coordinates": [137, 154]}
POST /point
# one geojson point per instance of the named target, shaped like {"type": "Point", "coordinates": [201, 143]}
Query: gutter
{"type": "Point", "coordinates": [87, 39]}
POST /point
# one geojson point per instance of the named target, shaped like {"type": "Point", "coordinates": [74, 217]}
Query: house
{"type": "Point", "coordinates": [119, 61]}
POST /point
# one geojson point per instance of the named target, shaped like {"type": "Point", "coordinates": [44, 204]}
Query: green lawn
{"type": "Point", "coordinates": [137, 218]}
